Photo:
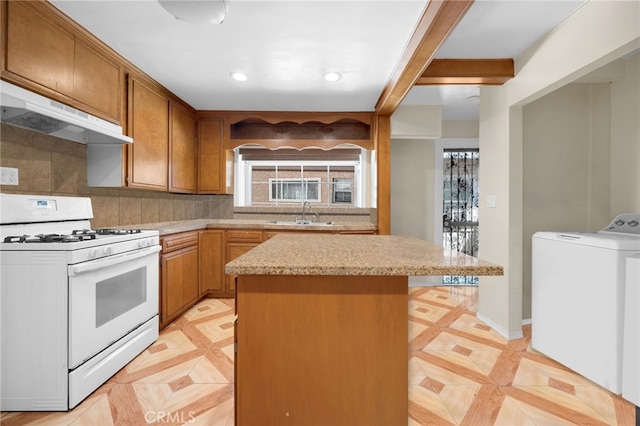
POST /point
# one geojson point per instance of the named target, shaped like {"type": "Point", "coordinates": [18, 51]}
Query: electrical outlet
{"type": "Point", "coordinates": [8, 176]}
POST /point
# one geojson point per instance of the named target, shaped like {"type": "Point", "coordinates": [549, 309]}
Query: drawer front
{"type": "Point", "coordinates": [178, 241]}
{"type": "Point", "coordinates": [243, 236]}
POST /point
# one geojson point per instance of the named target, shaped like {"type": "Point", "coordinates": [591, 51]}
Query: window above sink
{"type": "Point", "coordinates": [340, 177]}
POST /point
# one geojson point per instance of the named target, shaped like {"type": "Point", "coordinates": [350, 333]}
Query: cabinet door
{"type": "Point", "coordinates": [179, 282]}
{"type": "Point", "coordinates": [39, 49]}
{"type": "Point", "coordinates": [148, 156]}
{"type": "Point", "coordinates": [211, 253]}
{"type": "Point", "coordinates": [210, 167]}
{"type": "Point", "coordinates": [235, 250]}
{"type": "Point", "coordinates": [97, 82]}
{"type": "Point", "coordinates": [45, 51]}
{"type": "Point", "coordinates": [182, 160]}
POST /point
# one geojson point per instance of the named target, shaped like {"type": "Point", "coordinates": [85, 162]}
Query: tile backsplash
{"type": "Point", "coordinates": [51, 166]}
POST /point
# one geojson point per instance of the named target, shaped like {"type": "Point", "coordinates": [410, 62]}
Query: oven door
{"type": "Point", "coordinates": [108, 298]}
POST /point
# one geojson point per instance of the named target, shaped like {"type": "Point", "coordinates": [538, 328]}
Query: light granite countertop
{"type": "Point", "coordinates": [166, 228]}
{"type": "Point", "coordinates": [333, 254]}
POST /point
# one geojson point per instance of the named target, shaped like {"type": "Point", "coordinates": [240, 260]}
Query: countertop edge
{"type": "Point", "coordinates": [382, 271]}
{"type": "Point", "coordinates": [356, 255]}
{"type": "Point", "coordinates": [174, 227]}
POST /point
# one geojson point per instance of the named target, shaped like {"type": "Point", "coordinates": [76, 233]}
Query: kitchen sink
{"type": "Point", "coordinates": [299, 222]}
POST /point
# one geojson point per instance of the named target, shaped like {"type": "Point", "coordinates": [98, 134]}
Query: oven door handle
{"type": "Point", "coordinates": [94, 265]}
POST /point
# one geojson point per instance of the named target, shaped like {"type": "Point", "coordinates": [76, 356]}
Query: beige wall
{"type": "Point", "coordinates": [460, 129]}
{"type": "Point", "coordinates": [412, 190]}
{"type": "Point", "coordinates": [566, 166]}
{"type": "Point", "coordinates": [593, 131]}
{"type": "Point", "coordinates": [625, 138]}
{"type": "Point", "coordinates": [570, 51]}
{"type": "Point", "coordinates": [413, 179]}
{"type": "Point", "coordinates": [51, 166]}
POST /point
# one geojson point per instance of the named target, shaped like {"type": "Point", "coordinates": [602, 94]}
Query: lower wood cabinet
{"type": "Point", "coordinates": [237, 243]}
{"type": "Point", "coordinates": [321, 350]}
{"type": "Point", "coordinates": [211, 251]}
{"type": "Point", "coordinates": [179, 276]}
{"type": "Point", "coordinates": [192, 265]}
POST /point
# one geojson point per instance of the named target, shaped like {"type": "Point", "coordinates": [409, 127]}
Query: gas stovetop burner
{"type": "Point", "coordinates": [75, 236]}
{"type": "Point", "coordinates": [15, 238]}
{"type": "Point", "coordinates": [49, 238]}
{"type": "Point", "coordinates": [52, 238]}
{"type": "Point", "coordinates": [84, 234]}
{"type": "Point", "coordinates": [110, 231]}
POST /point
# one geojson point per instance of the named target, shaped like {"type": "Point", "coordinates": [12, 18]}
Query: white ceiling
{"type": "Point", "coordinates": [286, 46]}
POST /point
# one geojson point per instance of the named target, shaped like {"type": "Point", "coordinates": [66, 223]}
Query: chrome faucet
{"type": "Point", "coordinates": [304, 210]}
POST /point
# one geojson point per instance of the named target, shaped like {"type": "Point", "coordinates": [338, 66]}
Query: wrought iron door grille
{"type": "Point", "coordinates": [460, 206]}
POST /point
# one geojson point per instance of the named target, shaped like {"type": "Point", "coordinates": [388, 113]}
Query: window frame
{"type": "Point", "coordinates": [334, 191]}
{"type": "Point", "coordinates": [305, 186]}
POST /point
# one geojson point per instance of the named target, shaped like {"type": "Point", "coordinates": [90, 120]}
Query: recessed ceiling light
{"type": "Point", "coordinates": [332, 76]}
{"type": "Point", "coordinates": [474, 99]}
{"type": "Point", "coordinates": [197, 12]}
{"type": "Point", "coordinates": [239, 76]}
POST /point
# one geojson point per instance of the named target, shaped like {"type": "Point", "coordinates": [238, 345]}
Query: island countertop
{"type": "Point", "coordinates": [356, 255]}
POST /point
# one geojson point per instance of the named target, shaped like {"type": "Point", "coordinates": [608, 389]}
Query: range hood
{"type": "Point", "coordinates": [28, 110]}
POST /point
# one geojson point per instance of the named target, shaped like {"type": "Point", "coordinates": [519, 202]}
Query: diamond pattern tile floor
{"type": "Point", "coordinates": [461, 372]}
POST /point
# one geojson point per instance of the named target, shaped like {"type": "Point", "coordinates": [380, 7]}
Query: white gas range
{"type": "Point", "coordinates": [77, 304]}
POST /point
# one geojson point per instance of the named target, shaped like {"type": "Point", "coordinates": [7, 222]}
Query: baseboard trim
{"type": "Point", "coordinates": [501, 331]}
{"type": "Point", "coordinates": [526, 321]}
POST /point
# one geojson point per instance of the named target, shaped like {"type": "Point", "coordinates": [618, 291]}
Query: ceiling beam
{"type": "Point", "coordinates": [467, 71]}
{"type": "Point", "coordinates": [438, 20]}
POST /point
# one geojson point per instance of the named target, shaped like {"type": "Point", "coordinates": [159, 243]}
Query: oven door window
{"type": "Point", "coordinates": [108, 298]}
{"type": "Point", "coordinates": [118, 295]}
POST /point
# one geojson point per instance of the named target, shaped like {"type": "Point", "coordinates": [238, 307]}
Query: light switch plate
{"type": "Point", "coordinates": [8, 176]}
{"type": "Point", "coordinates": [491, 201]}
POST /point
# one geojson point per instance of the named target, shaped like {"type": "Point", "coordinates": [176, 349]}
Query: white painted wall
{"type": "Point", "coordinates": [570, 51]}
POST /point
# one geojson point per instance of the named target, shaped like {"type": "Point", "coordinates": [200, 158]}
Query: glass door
{"type": "Point", "coordinates": [460, 206]}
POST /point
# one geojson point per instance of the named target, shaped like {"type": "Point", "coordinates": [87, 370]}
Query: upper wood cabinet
{"type": "Point", "coordinates": [46, 54]}
{"type": "Point", "coordinates": [148, 119]}
{"type": "Point", "coordinates": [215, 163]}
{"type": "Point", "coordinates": [97, 81]}
{"type": "Point", "coordinates": [182, 149]}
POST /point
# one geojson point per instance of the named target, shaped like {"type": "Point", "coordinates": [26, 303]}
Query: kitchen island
{"type": "Point", "coordinates": [322, 324]}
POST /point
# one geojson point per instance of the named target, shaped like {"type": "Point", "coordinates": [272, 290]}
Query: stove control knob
{"type": "Point", "coordinates": [142, 243]}
{"type": "Point", "coordinates": [633, 223]}
{"type": "Point", "coordinates": [93, 253]}
{"type": "Point", "coordinates": [619, 222]}
{"type": "Point", "coordinates": [107, 251]}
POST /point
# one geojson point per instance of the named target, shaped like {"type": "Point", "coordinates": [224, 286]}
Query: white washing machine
{"type": "Point", "coordinates": [578, 297]}
{"type": "Point", "coordinates": [631, 339]}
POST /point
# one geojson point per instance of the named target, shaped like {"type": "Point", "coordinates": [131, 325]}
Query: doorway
{"type": "Point", "coordinates": [456, 201]}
